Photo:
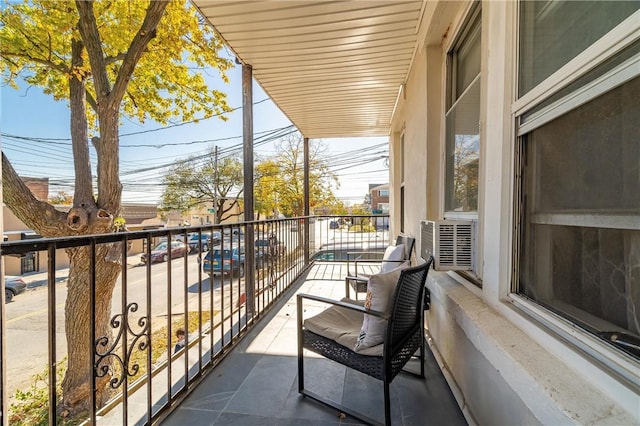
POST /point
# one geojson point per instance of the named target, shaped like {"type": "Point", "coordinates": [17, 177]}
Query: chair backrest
{"type": "Point", "coordinates": [405, 318]}
{"type": "Point", "coordinates": [408, 242]}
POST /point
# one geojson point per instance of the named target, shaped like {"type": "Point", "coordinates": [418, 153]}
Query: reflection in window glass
{"type": "Point", "coordinates": [463, 152]}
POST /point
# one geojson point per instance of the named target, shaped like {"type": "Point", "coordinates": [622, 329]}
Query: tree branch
{"type": "Point", "coordinates": [91, 100]}
{"type": "Point", "coordinates": [59, 67]}
{"type": "Point", "coordinates": [91, 38]}
{"type": "Point", "coordinates": [83, 195]}
{"type": "Point", "coordinates": [146, 33]}
{"type": "Point", "coordinates": [111, 59]}
{"type": "Point", "coordinates": [36, 214]}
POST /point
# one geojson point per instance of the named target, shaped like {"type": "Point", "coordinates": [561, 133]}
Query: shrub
{"type": "Point", "coordinates": [362, 228]}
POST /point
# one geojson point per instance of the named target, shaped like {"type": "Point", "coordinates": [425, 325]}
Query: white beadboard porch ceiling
{"type": "Point", "coordinates": [333, 67]}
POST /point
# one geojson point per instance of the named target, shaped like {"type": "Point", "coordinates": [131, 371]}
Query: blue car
{"type": "Point", "coordinates": [227, 261]}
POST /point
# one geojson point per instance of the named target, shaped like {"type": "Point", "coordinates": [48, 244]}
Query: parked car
{"type": "Point", "coordinates": [12, 286]}
{"type": "Point", "coordinates": [160, 253]}
{"type": "Point", "coordinates": [215, 238]}
{"type": "Point", "coordinates": [270, 246]}
{"type": "Point", "coordinates": [229, 260]}
{"type": "Point", "coordinates": [237, 232]}
{"type": "Point", "coordinates": [205, 239]}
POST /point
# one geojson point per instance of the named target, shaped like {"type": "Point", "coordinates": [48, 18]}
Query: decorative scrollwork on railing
{"type": "Point", "coordinates": [108, 359]}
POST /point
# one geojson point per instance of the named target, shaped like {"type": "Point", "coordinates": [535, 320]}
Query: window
{"type": "Point", "coordinates": [579, 205]}
{"type": "Point", "coordinates": [554, 32]}
{"type": "Point", "coordinates": [462, 121]}
{"type": "Point", "coordinates": [383, 193]}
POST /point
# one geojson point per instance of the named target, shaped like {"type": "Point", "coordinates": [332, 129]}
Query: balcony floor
{"type": "Point", "coordinates": [256, 384]}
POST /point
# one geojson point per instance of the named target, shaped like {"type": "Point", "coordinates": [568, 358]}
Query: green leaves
{"type": "Point", "coordinates": [195, 182]}
{"type": "Point", "coordinates": [168, 82]}
{"type": "Point", "coordinates": [280, 180]}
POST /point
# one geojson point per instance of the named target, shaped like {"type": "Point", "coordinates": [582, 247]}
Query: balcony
{"type": "Point", "coordinates": [257, 383]}
{"type": "Point", "coordinates": [240, 364]}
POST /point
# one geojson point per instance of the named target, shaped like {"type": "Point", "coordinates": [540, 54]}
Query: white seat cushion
{"type": "Point", "coordinates": [341, 325]}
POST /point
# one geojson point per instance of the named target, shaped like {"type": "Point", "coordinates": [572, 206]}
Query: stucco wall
{"type": "Point", "coordinates": [411, 112]}
{"type": "Point", "coordinates": [504, 367]}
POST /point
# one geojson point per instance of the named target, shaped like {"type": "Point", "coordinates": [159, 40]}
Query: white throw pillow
{"type": "Point", "coordinates": [380, 289]}
{"type": "Point", "coordinates": [395, 255]}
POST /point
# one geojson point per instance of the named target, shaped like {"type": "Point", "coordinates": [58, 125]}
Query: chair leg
{"type": "Point", "coordinates": [300, 373]}
{"type": "Point", "coordinates": [300, 348]}
{"type": "Point", "coordinates": [387, 405]}
{"type": "Point", "coordinates": [422, 357]}
{"type": "Point", "coordinates": [347, 293]}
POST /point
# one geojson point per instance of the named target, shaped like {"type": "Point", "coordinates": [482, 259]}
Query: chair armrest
{"type": "Point", "coordinates": [381, 261]}
{"type": "Point", "coordinates": [358, 278]}
{"type": "Point", "coordinates": [356, 256]}
{"type": "Point", "coordinates": [353, 278]}
{"type": "Point", "coordinates": [334, 302]}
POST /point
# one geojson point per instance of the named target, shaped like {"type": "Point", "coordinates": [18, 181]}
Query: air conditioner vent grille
{"type": "Point", "coordinates": [451, 242]}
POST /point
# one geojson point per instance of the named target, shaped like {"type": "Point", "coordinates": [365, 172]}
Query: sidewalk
{"type": "Point", "coordinates": [39, 279]}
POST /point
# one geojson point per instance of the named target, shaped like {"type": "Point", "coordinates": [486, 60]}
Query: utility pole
{"type": "Point", "coordinates": [247, 147]}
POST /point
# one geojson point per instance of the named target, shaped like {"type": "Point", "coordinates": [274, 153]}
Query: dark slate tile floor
{"type": "Point", "coordinates": [256, 384]}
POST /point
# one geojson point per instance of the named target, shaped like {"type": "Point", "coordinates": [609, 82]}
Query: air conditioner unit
{"type": "Point", "coordinates": [450, 242]}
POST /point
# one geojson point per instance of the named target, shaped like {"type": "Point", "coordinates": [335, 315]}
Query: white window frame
{"type": "Point", "coordinates": [460, 30]}
{"type": "Point", "coordinates": [623, 367]}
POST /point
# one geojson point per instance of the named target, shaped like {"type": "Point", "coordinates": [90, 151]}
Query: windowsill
{"type": "Point", "coordinates": [558, 384]}
{"type": "Point", "coordinates": [622, 365]}
{"type": "Point", "coordinates": [473, 285]}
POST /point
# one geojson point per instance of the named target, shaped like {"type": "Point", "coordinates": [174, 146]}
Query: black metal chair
{"type": "Point", "coordinates": [404, 336]}
{"type": "Point", "coordinates": [358, 281]}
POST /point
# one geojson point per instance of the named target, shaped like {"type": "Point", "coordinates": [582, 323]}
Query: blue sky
{"type": "Point", "coordinates": [30, 113]}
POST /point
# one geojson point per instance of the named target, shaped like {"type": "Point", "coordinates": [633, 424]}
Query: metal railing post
{"type": "Point", "coordinates": [247, 133]}
{"type": "Point", "coordinates": [306, 201]}
{"type": "Point", "coordinates": [4, 408]}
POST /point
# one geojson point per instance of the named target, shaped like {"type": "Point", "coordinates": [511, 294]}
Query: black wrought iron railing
{"type": "Point", "coordinates": [135, 370]}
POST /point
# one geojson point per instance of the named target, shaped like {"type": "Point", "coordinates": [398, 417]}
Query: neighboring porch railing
{"type": "Point", "coordinates": [152, 300]}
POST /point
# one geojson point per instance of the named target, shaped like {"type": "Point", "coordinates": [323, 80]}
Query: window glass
{"type": "Point", "coordinates": [467, 59]}
{"type": "Point", "coordinates": [626, 54]}
{"type": "Point", "coordinates": [463, 152]}
{"type": "Point", "coordinates": [580, 239]}
{"type": "Point", "coordinates": [554, 32]}
{"type": "Point", "coordinates": [463, 119]}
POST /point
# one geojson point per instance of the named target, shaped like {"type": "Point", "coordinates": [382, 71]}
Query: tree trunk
{"type": "Point", "coordinates": [87, 216]}
{"type": "Point", "coordinates": [78, 317]}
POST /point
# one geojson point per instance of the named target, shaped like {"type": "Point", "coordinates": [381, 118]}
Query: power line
{"type": "Point", "coordinates": [190, 122]}
{"type": "Point", "coordinates": [61, 141]}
